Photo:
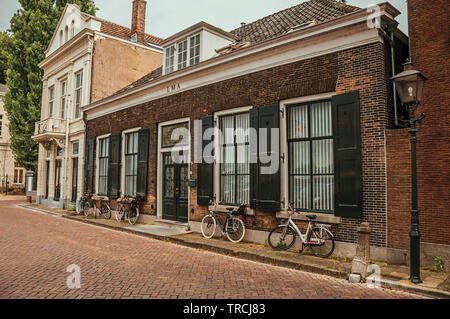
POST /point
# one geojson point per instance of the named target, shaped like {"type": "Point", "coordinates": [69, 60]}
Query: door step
{"type": "Point", "coordinates": [171, 224]}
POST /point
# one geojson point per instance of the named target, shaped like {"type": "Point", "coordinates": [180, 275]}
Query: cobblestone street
{"type": "Point", "coordinates": [36, 250]}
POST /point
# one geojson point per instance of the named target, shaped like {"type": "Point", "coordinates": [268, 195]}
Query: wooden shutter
{"type": "Point", "coordinates": [142, 167]}
{"type": "Point", "coordinates": [262, 196]}
{"type": "Point", "coordinates": [90, 147]}
{"type": "Point", "coordinates": [347, 155]}
{"type": "Point", "coordinates": [114, 166]}
{"type": "Point", "coordinates": [205, 170]}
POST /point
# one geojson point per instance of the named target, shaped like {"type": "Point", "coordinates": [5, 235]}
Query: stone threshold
{"type": "Point", "coordinates": [435, 285]}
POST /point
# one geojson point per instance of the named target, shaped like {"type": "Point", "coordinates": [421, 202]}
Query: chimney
{"type": "Point", "coordinates": [138, 19]}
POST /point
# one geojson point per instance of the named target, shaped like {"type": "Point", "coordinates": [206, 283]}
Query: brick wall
{"type": "Point", "coordinates": [361, 68]}
{"type": "Point", "coordinates": [430, 49]}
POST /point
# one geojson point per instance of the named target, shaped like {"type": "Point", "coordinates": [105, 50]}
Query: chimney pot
{"type": "Point", "coordinates": [242, 24]}
{"type": "Point", "coordinates": [138, 19]}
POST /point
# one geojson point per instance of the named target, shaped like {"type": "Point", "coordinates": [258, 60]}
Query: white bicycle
{"type": "Point", "coordinates": [318, 237]}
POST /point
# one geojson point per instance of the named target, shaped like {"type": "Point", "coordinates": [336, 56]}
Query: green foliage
{"type": "Point", "coordinates": [439, 263]}
{"type": "Point", "coordinates": [23, 48]}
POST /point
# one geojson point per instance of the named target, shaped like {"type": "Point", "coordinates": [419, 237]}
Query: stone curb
{"type": "Point", "coordinates": [429, 292]}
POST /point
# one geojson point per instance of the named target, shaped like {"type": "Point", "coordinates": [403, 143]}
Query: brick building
{"type": "Point", "coordinates": [82, 55]}
{"type": "Point", "coordinates": [430, 54]}
{"type": "Point", "coordinates": [317, 73]}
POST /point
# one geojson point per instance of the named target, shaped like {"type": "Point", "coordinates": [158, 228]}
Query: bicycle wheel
{"type": "Point", "coordinates": [106, 211]}
{"type": "Point", "coordinates": [282, 237]}
{"type": "Point", "coordinates": [235, 230]}
{"type": "Point", "coordinates": [208, 226]}
{"type": "Point", "coordinates": [133, 216]}
{"type": "Point", "coordinates": [321, 242]}
{"type": "Point", "coordinates": [85, 209]}
{"type": "Point", "coordinates": [120, 213]}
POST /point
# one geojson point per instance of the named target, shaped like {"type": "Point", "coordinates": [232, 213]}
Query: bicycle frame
{"type": "Point", "coordinates": [303, 237]}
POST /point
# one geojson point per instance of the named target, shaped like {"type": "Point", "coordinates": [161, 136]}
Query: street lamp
{"type": "Point", "coordinates": [409, 85]}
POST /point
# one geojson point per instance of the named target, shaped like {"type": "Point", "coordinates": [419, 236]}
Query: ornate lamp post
{"type": "Point", "coordinates": [409, 84]}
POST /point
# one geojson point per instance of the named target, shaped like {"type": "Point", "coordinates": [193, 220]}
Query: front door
{"type": "Point", "coordinates": [74, 179]}
{"type": "Point", "coordinates": [175, 189]}
{"type": "Point", "coordinates": [57, 180]}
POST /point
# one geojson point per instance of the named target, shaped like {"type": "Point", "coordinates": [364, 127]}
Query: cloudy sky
{"type": "Point", "coordinates": [165, 18]}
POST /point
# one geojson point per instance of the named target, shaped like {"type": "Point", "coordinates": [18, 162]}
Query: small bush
{"type": "Point", "coordinates": [439, 263]}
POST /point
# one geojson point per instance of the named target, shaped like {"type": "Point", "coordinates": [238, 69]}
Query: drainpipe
{"type": "Point", "coordinates": [91, 49]}
{"type": "Point", "coordinates": [391, 39]}
{"type": "Point", "coordinates": [66, 153]}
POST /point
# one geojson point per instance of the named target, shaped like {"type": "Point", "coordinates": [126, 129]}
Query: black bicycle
{"type": "Point", "coordinates": [98, 204]}
{"type": "Point", "coordinates": [233, 227]}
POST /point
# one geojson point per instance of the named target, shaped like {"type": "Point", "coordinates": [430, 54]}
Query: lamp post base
{"type": "Point", "coordinates": [415, 280]}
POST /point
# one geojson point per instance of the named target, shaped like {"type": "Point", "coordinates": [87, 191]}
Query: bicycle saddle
{"type": "Point", "coordinates": [312, 217]}
{"type": "Point", "coordinates": [230, 209]}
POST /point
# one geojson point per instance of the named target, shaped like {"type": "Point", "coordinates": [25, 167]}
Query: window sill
{"type": "Point", "coordinates": [223, 209]}
{"type": "Point", "coordinates": [321, 217]}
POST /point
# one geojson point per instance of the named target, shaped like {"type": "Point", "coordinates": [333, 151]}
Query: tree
{"type": "Point", "coordinates": [3, 61]}
{"type": "Point", "coordinates": [30, 32]}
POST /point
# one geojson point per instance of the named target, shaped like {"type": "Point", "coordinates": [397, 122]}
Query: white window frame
{"type": "Point", "coordinates": [178, 52]}
{"type": "Point", "coordinates": [19, 169]}
{"type": "Point", "coordinates": [199, 50]}
{"type": "Point", "coordinates": [161, 151]}
{"type": "Point", "coordinates": [80, 88]}
{"type": "Point", "coordinates": [217, 115]}
{"type": "Point", "coordinates": [284, 165]}
{"type": "Point", "coordinates": [167, 69]}
{"type": "Point", "coordinates": [122, 156]}
{"type": "Point", "coordinates": [51, 101]}
{"type": "Point", "coordinates": [97, 166]}
{"type": "Point", "coordinates": [63, 95]}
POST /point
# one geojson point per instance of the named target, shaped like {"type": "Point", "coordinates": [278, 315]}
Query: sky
{"type": "Point", "coordinates": [167, 17]}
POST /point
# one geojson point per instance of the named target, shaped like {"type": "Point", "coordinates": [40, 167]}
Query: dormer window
{"type": "Point", "coordinates": [170, 59]}
{"type": "Point", "coordinates": [182, 55]}
{"type": "Point", "coordinates": [194, 45]}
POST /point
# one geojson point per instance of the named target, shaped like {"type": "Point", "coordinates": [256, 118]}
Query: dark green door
{"type": "Point", "coordinates": [175, 189]}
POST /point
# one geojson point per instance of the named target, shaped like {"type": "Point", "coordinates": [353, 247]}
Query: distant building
{"type": "Point", "coordinates": [9, 170]}
{"type": "Point", "coordinates": [87, 59]}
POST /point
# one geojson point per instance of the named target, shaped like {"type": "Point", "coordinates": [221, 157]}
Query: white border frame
{"type": "Point", "coordinates": [160, 151]}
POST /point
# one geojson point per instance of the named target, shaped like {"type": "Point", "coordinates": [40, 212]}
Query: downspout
{"type": "Point", "coordinates": [82, 160]}
{"type": "Point", "coordinates": [66, 153]}
{"type": "Point", "coordinates": [391, 39]}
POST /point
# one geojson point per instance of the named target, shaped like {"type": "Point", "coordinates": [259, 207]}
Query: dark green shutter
{"type": "Point", "coordinates": [205, 171]}
{"type": "Point", "coordinates": [114, 166]}
{"type": "Point", "coordinates": [90, 147]}
{"type": "Point", "coordinates": [347, 155]}
{"type": "Point", "coordinates": [254, 167]}
{"type": "Point", "coordinates": [142, 166]}
{"type": "Point", "coordinates": [265, 188]}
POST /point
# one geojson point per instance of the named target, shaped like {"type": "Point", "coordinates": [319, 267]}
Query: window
{"type": "Point", "coordinates": [166, 138]}
{"type": "Point", "coordinates": [78, 94]}
{"type": "Point", "coordinates": [182, 55]}
{"type": "Point", "coordinates": [1, 124]}
{"type": "Point", "coordinates": [61, 38]}
{"type": "Point", "coordinates": [131, 154]}
{"type": "Point", "coordinates": [18, 174]}
{"type": "Point", "coordinates": [72, 29]}
{"type": "Point", "coordinates": [63, 98]}
{"type": "Point", "coordinates": [103, 157]}
{"type": "Point", "coordinates": [75, 148]}
{"type": "Point", "coordinates": [66, 34]}
{"type": "Point", "coordinates": [51, 97]}
{"type": "Point", "coordinates": [170, 59]}
{"type": "Point", "coordinates": [311, 166]}
{"type": "Point", "coordinates": [235, 166]}
{"type": "Point", "coordinates": [194, 48]}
